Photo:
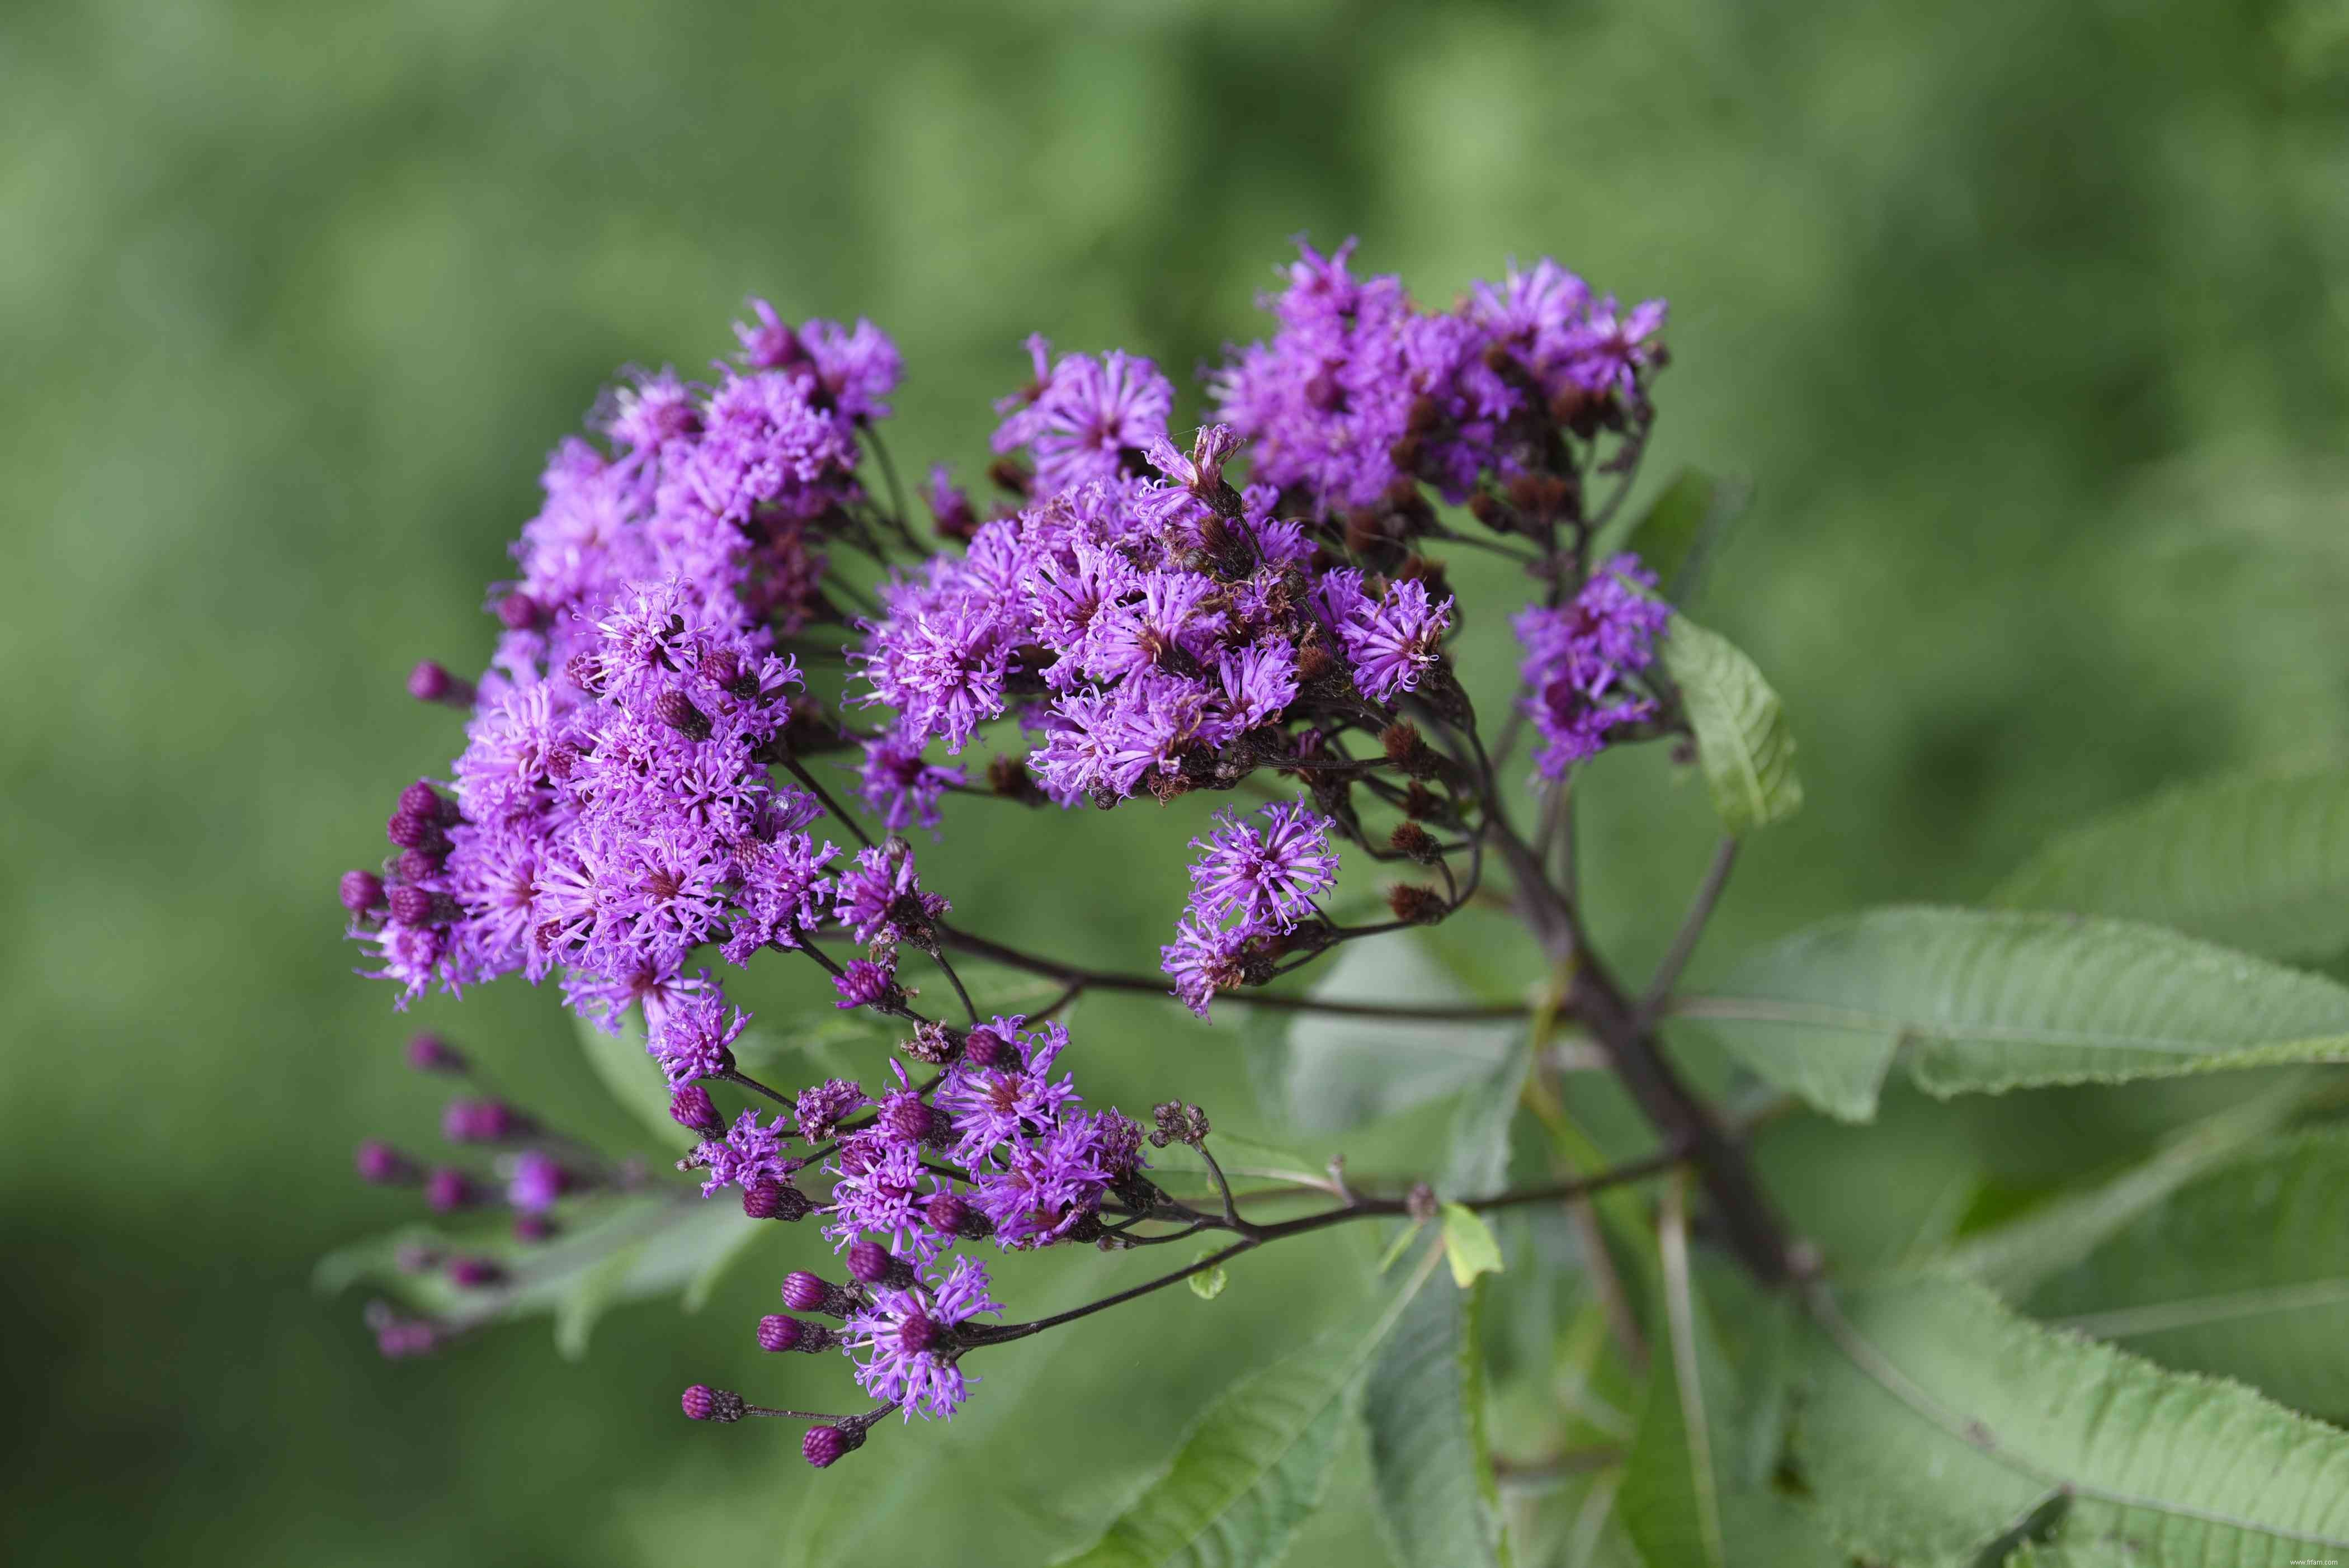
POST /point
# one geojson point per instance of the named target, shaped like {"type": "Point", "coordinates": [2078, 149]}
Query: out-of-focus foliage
{"type": "Point", "coordinates": [2026, 321]}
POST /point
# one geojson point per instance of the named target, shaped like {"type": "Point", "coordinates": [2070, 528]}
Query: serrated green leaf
{"type": "Point", "coordinates": [2244, 1273]}
{"type": "Point", "coordinates": [1742, 739]}
{"type": "Point", "coordinates": [1469, 1244]}
{"type": "Point", "coordinates": [1683, 529]}
{"type": "Point", "coordinates": [1935, 1419]}
{"type": "Point", "coordinates": [2012, 1258]}
{"type": "Point", "coordinates": [1431, 1469]}
{"type": "Point", "coordinates": [1992, 1000]}
{"type": "Point", "coordinates": [1252, 1468]}
{"type": "Point", "coordinates": [1327, 1073]}
{"type": "Point", "coordinates": [2258, 861]}
{"type": "Point", "coordinates": [1209, 1284]}
{"type": "Point", "coordinates": [628, 1071]}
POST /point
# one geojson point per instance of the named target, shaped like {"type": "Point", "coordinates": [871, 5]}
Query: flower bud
{"type": "Point", "coordinates": [824, 1446]}
{"type": "Point", "coordinates": [445, 1191]}
{"type": "Point", "coordinates": [951, 1215]}
{"type": "Point", "coordinates": [482, 1121]}
{"type": "Point", "coordinates": [870, 1262]}
{"type": "Point", "coordinates": [475, 1274]}
{"type": "Point", "coordinates": [420, 799]}
{"type": "Point", "coordinates": [361, 891]}
{"type": "Point", "coordinates": [703, 1403]}
{"type": "Point", "coordinates": [429, 682]}
{"type": "Point", "coordinates": [416, 831]}
{"type": "Point", "coordinates": [384, 1165]}
{"type": "Point", "coordinates": [519, 611]}
{"type": "Point", "coordinates": [676, 710]}
{"type": "Point", "coordinates": [804, 1292]}
{"type": "Point", "coordinates": [690, 1107]}
{"type": "Point", "coordinates": [983, 1047]}
{"type": "Point", "coordinates": [1416, 904]}
{"type": "Point", "coordinates": [412, 905]}
{"type": "Point", "coordinates": [534, 1228]}
{"type": "Point", "coordinates": [771, 1199]}
{"type": "Point", "coordinates": [917, 1331]}
{"type": "Point", "coordinates": [778, 1333]}
{"type": "Point", "coordinates": [431, 1054]}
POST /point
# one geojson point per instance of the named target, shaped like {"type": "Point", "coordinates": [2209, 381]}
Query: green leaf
{"type": "Point", "coordinates": [736, 1244]}
{"type": "Point", "coordinates": [1477, 1162]}
{"type": "Point", "coordinates": [2243, 1273]}
{"type": "Point", "coordinates": [589, 1294]}
{"type": "Point", "coordinates": [2014, 1257]}
{"type": "Point", "coordinates": [629, 1072]}
{"type": "Point", "coordinates": [1936, 1420]}
{"type": "Point", "coordinates": [1993, 1000]}
{"type": "Point", "coordinates": [1326, 1072]}
{"type": "Point", "coordinates": [1469, 1244]}
{"type": "Point", "coordinates": [1683, 529]}
{"type": "Point", "coordinates": [2258, 861]}
{"type": "Point", "coordinates": [1252, 1468]}
{"type": "Point", "coordinates": [1210, 1285]}
{"type": "Point", "coordinates": [1742, 739]}
{"type": "Point", "coordinates": [1432, 1482]}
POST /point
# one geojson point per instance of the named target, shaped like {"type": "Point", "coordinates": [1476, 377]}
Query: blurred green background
{"type": "Point", "coordinates": [2027, 321]}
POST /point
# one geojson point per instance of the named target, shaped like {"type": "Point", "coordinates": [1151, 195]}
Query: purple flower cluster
{"type": "Point", "coordinates": [1359, 388]}
{"type": "Point", "coordinates": [1576, 657]}
{"type": "Point", "coordinates": [1251, 880]}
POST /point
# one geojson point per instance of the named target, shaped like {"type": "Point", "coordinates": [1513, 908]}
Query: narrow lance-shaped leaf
{"type": "Point", "coordinates": [1934, 1420]}
{"type": "Point", "coordinates": [1995, 1000]}
{"type": "Point", "coordinates": [2243, 1273]}
{"type": "Point", "coordinates": [2258, 861]}
{"type": "Point", "coordinates": [1431, 1469]}
{"type": "Point", "coordinates": [1253, 1467]}
{"type": "Point", "coordinates": [1742, 739]}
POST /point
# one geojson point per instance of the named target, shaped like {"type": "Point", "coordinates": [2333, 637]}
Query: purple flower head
{"type": "Point", "coordinates": [1013, 1096]}
{"type": "Point", "coordinates": [905, 1344]}
{"type": "Point", "coordinates": [782, 892]}
{"type": "Point", "coordinates": [856, 367]}
{"type": "Point", "coordinates": [768, 343]}
{"type": "Point", "coordinates": [1046, 1184]}
{"type": "Point", "coordinates": [1578, 657]}
{"type": "Point", "coordinates": [536, 1182]}
{"type": "Point", "coordinates": [1265, 873]}
{"type": "Point", "coordinates": [1201, 470]}
{"type": "Point", "coordinates": [696, 1038]}
{"type": "Point", "coordinates": [862, 982]}
{"type": "Point", "coordinates": [766, 440]}
{"type": "Point", "coordinates": [1204, 959]}
{"type": "Point", "coordinates": [882, 899]}
{"type": "Point", "coordinates": [1616, 346]}
{"type": "Point", "coordinates": [749, 1154]}
{"type": "Point", "coordinates": [901, 788]}
{"type": "Point", "coordinates": [1087, 416]}
{"type": "Point", "coordinates": [1393, 641]}
{"type": "Point", "coordinates": [648, 410]}
{"type": "Point", "coordinates": [824, 1107]}
{"type": "Point", "coordinates": [878, 1190]}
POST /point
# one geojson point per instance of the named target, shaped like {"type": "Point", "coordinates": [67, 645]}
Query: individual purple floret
{"type": "Point", "coordinates": [1045, 1185]}
{"type": "Point", "coordinates": [1087, 414]}
{"type": "Point", "coordinates": [1265, 872]}
{"type": "Point", "coordinates": [905, 1344]}
{"type": "Point", "coordinates": [696, 1038]}
{"type": "Point", "coordinates": [1578, 657]}
{"type": "Point", "coordinates": [822, 1108]}
{"type": "Point", "coordinates": [1204, 959]}
{"type": "Point", "coordinates": [748, 1153]}
{"type": "Point", "coordinates": [881, 898]}
{"type": "Point", "coordinates": [1395, 640]}
{"type": "Point", "coordinates": [1013, 1096]}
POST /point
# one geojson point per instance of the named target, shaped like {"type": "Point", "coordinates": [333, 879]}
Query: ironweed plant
{"type": "Point", "coordinates": [738, 681]}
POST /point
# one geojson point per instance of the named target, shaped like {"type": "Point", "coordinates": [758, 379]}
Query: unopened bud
{"type": "Point", "coordinates": [429, 682]}
{"type": "Point", "coordinates": [870, 1262]}
{"type": "Point", "coordinates": [361, 891]}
